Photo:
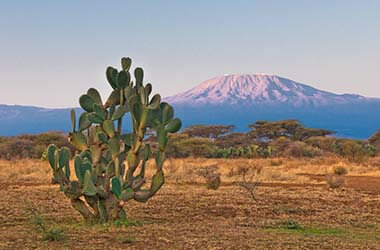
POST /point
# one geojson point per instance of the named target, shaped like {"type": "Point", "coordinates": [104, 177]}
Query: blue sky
{"type": "Point", "coordinates": [52, 51]}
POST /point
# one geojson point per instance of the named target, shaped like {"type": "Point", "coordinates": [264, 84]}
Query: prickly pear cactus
{"type": "Point", "coordinates": [109, 164]}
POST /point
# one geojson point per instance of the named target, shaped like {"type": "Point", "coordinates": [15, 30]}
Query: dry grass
{"type": "Point", "coordinates": [25, 171]}
{"type": "Point", "coordinates": [277, 170]}
{"type": "Point", "coordinates": [184, 170]}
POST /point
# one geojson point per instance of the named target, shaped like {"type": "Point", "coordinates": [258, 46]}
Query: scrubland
{"type": "Point", "coordinates": [294, 208]}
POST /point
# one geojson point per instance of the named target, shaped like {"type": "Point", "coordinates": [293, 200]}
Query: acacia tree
{"type": "Point", "coordinates": [292, 129]}
{"type": "Point", "coordinates": [208, 131]}
{"type": "Point", "coordinates": [109, 164]}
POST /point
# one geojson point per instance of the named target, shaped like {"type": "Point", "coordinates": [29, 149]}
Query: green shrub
{"type": "Point", "coordinates": [223, 153]}
{"type": "Point", "coordinates": [51, 233]}
{"type": "Point", "coordinates": [252, 151]}
{"type": "Point", "coordinates": [54, 234]}
{"type": "Point", "coordinates": [130, 239]}
{"type": "Point", "coordinates": [127, 222]}
{"type": "Point", "coordinates": [291, 225]}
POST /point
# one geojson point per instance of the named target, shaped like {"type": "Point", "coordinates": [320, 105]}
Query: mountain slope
{"type": "Point", "coordinates": [243, 99]}
{"type": "Point", "coordinates": [16, 119]}
{"type": "Point", "coordinates": [259, 88]}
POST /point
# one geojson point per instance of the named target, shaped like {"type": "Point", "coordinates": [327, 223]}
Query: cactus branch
{"type": "Point", "coordinates": [120, 120]}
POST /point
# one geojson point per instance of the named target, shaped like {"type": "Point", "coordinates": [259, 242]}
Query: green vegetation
{"type": "Point", "coordinates": [48, 233]}
{"type": "Point", "coordinates": [127, 239]}
{"type": "Point", "coordinates": [293, 227]}
{"type": "Point", "coordinates": [104, 182]}
{"type": "Point", "coordinates": [127, 222]}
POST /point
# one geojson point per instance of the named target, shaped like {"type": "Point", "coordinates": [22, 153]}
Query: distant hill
{"type": "Point", "coordinates": [233, 99]}
{"type": "Point", "coordinates": [15, 119]}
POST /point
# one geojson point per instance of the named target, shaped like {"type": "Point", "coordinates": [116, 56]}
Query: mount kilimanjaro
{"type": "Point", "coordinates": [260, 89]}
{"type": "Point", "coordinates": [234, 100]}
{"type": "Point", "coordinates": [243, 99]}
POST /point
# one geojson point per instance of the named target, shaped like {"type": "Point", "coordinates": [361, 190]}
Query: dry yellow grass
{"type": "Point", "coordinates": [186, 170]}
{"type": "Point", "coordinates": [282, 170]}
{"type": "Point", "coordinates": [21, 171]}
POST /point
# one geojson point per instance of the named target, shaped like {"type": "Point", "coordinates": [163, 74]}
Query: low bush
{"type": "Point", "coordinates": [49, 233]}
{"type": "Point", "coordinates": [130, 239]}
{"type": "Point", "coordinates": [252, 151]}
{"type": "Point", "coordinates": [211, 175]}
{"type": "Point", "coordinates": [335, 181]}
{"type": "Point", "coordinates": [276, 163]}
{"type": "Point", "coordinates": [340, 170]}
{"type": "Point", "coordinates": [249, 179]}
{"type": "Point", "coordinates": [291, 225]}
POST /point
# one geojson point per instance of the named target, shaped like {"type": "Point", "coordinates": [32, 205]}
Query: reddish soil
{"type": "Point", "coordinates": [189, 216]}
{"type": "Point", "coordinates": [364, 183]}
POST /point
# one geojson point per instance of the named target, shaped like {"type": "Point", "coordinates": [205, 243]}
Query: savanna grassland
{"type": "Point", "coordinates": [293, 208]}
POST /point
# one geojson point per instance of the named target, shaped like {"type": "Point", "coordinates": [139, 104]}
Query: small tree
{"type": "Point", "coordinates": [104, 181]}
{"type": "Point", "coordinates": [208, 131]}
{"type": "Point", "coordinates": [250, 183]}
{"type": "Point", "coordinates": [292, 129]}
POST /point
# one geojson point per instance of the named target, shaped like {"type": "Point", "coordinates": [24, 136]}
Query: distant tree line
{"type": "Point", "coordinates": [30, 146]}
{"type": "Point", "coordinates": [268, 139]}
{"type": "Point", "coordinates": [286, 138]}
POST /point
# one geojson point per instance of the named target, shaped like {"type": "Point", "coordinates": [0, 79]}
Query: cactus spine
{"type": "Point", "coordinates": [109, 165]}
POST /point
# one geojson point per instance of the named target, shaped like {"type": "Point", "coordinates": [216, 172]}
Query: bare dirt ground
{"type": "Point", "coordinates": [296, 212]}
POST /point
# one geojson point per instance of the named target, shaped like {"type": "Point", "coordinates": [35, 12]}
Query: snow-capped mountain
{"type": "Point", "coordinates": [258, 89]}
{"type": "Point", "coordinates": [242, 99]}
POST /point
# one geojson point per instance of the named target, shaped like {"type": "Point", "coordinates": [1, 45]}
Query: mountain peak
{"type": "Point", "coordinates": [254, 89]}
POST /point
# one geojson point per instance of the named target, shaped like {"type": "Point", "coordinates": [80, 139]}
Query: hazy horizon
{"type": "Point", "coordinates": [53, 52]}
